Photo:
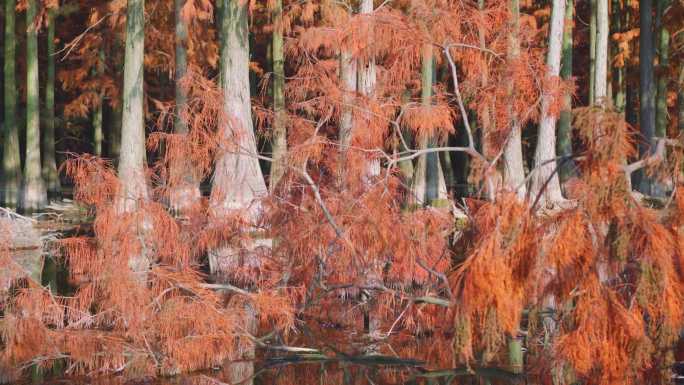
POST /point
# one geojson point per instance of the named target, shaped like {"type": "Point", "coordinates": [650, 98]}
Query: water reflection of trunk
{"type": "Point", "coordinates": [242, 370]}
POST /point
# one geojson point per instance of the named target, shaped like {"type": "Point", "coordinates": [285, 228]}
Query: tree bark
{"type": "Point", "coordinates": [238, 183]}
{"type": "Point", "coordinates": [133, 158]}
{"type": "Point", "coordinates": [620, 20]}
{"type": "Point", "coordinates": [663, 64]}
{"type": "Point", "coordinates": [366, 82]}
{"type": "Point", "coordinates": [567, 169]}
{"type": "Point", "coordinates": [279, 141]}
{"type": "Point", "coordinates": [184, 191]}
{"type": "Point", "coordinates": [601, 71]}
{"type": "Point", "coordinates": [647, 90]}
{"type": "Point", "coordinates": [429, 186]}
{"type": "Point", "coordinates": [545, 182]}
{"type": "Point", "coordinates": [348, 84]}
{"type": "Point", "coordinates": [514, 168]}
{"type": "Point", "coordinates": [592, 51]}
{"type": "Point", "coordinates": [48, 157]}
{"type": "Point", "coordinates": [98, 135]}
{"type": "Point", "coordinates": [11, 162]}
{"type": "Point", "coordinates": [680, 101]}
{"type": "Point", "coordinates": [34, 194]}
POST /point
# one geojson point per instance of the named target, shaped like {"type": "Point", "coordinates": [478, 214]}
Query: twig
{"type": "Point", "coordinates": [73, 43]}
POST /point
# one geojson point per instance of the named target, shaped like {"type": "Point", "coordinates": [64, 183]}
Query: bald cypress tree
{"type": "Point", "coordinates": [48, 136]}
{"type": "Point", "coordinates": [647, 90]}
{"type": "Point", "coordinates": [11, 161]}
{"type": "Point", "coordinates": [34, 194]}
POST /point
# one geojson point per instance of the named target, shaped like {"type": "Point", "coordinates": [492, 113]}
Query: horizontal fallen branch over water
{"type": "Point", "coordinates": [368, 360]}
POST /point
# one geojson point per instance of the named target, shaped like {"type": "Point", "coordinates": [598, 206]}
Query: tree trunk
{"type": "Point", "coordinates": [514, 172]}
{"type": "Point", "coordinates": [601, 71]}
{"type": "Point", "coordinates": [132, 160]}
{"type": "Point", "coordinates": [279, 142]}
{"type": "Point", "coordinates": [592, 51]}
{"type": "Point", "coordinates": [620, 20]}
{"type": "Point", "coordinates": [34, 194]}
{"type": "Point", "coordinates": [663, 64]}
{"type": "Point", "coordinates": [348, 84]}
{"type": "Point", "coordinates": [567, 169]}
{"type": "Point", "coordinates": [647, 90]}
{"type": "Point", "coordinates": [238, 183]}
{"type": "Point", "coordinates": [680, 101]}
{"type": "Point", "coordinates": [98, 135]}
{"type": "Point", "coordinates": [406, 166]}
{"type": "Point", "coordinates": [514, 168]}
{"type": "Point", "coordinates": [48, 157]}
{"type": "Point", "coordinates": [11, 162]}
{"type": "Point", "coordinates": [429, 186]}
{"type": "Point", "coordinates": [545, 181]}
{"type": "Point", "coordinates": [366, 83]}
{"type": "Point", "coordinates": [184, 191]}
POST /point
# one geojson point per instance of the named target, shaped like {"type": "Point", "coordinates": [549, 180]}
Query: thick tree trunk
{"type": "Point", "coordinates": [238, 183]}
{"type": "Point", "coordinates": [184, 191]}
{"type": "Point", "coordinates": [601, 71]}
{"type": "Point", "coordinates": [279, 141]}
{"type": "Point", "coordinates": [514, 168]}
{"type": "Point", "coordinates": [132, 160]}
{"type": "Point", "coordinates": [48, 138]}
{"type": "Point", "coordinates": [647, 89]}
{"type": "Point", "coordinates": [11, 162]}
{"type": "Point", "coordinates": [34, 194]}
{"type": "Point", "coordinates": [545, 182]}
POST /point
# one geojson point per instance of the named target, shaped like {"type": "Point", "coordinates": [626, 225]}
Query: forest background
{"type": "Point", "coordinates": [499, 177]}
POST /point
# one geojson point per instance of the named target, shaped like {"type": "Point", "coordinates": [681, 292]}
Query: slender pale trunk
{"type": "Point", "coordinates": [545, 182]}
{"type": "Point", "coordinates": [663, 64]}
{"type": "Point", "coordinates": [48, 137]}
{"type": "Point", "coordinates": [184, 191]}
{"type": "Point", "coordinates": [406, 166]}
{"type": "Point", "coordinates": [619, 15]}
{"type": "Point", "coordinates": [514, 168]}
{"type": "Point", "coordinates": [34, 194]}
{"type": "Point", "coordinates": [367, 79]}
{"type": "Point", "coordinates": [592, 51]}
{"type": "Point", "coordinates": [429, 186]}
{"type": "Point", "coordinates": [238, 183]}
{"type": "Point", "coordinates": [11, 162]}
{"type": "Point", "coordinates": [98, 135]}
{"type": "Point", "coordinates": [565, 120]}
{"type": "Point", "coordinates": [601, 64]}
{"type": "Point", "coordinates": [647, 90]}
{"type": "Point", "coordinates": [514, 172]}
{"type": "Point", "coordinates": [279, 141]}
{"type": "Point", "coordinates": [419, 186]}
{"type": "Point", "coordinates": [486, 117]}
{"type": "Point", "coordinates": [680, 101]}
{"type": "Point", "coordinates": [132, 161]}
{"type": "Point", "coordinates": [348, 84]}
